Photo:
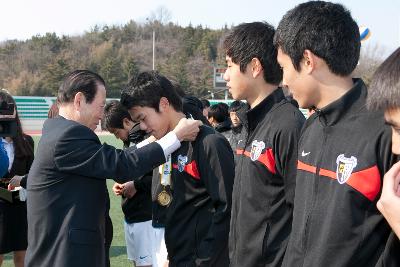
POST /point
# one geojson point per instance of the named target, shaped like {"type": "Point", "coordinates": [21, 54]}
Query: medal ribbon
{"type": "Point", "coordinates": [165, 172]}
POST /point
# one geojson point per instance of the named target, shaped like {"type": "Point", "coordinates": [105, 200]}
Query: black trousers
{"type": "Point", "coordinates": [108, 239]}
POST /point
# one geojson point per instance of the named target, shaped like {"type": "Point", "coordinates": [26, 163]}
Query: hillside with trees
{"type": "Point", "coordinates": [183, 54]}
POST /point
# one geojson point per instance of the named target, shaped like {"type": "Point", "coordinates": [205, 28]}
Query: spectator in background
{"type": "Point", "coordinates": [206, 107]}
{"type": "Point", "coordinates": [192, 106]}
{"type": "Point", "coordinates": [224, 106]}
{"type": "Point", "coordinates": [53, 111]}
{"type": "Point", "coordinates": [219, 119]}
{"type": "Point", "coordinates": [13, 216]}
{"type": "Point", "coordinates": [236, 123]}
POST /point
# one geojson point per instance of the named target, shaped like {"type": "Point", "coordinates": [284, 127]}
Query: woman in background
{"type": "Point", "coordinates": [13, 220]}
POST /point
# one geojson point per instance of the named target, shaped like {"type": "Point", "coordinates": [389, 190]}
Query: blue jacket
{"type": "Point", "coordinates": [3, 160]}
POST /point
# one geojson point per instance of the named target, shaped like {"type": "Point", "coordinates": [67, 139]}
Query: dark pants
{"type": "Point", "coordinates": [108, 239]}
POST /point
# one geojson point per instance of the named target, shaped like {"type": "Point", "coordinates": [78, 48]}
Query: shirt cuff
{"type": "Point", "coordinates": [142, 144]}
{"type": "Point", "coordinates": [169, 143]}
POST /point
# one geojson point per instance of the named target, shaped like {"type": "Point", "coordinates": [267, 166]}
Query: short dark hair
{"type": "Point", "coordinates": [76, 81]}
{"type": "Point", "coordinates": [146, 90]}
{"type": "Point", "coordinates": [235, 106]}
{"type": "Point", "coordinates": [219, 112]}
{"type": "Point", "coordinates": [254, 40]}
{"type": "Point", "coordinates": [205, 103]}
{"type": "Point", "coordinates": [384, 90]}
{"type": "Point", "coordinates": [114, 115]}
{"type": "Point", "coordinates": [326, 29]}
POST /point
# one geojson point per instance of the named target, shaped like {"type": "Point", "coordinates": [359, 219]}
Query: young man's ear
{"type": "Point", "coordinates": [212, 121]}
{"type": "Point", "coordinates": [256, 67]}
{"type": "Point", "coordinates": [164, 104]}
{"type": "Point", "coordinates": [127, 123]}
{"type": "Point", "coordinates": [309, 61]}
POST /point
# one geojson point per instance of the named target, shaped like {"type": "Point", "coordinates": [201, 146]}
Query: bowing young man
{"type": "Point", "coordinates": [197, 179]}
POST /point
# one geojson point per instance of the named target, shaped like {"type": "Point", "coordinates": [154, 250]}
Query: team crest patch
{"type": "Point", "coordinates": [256, 149]}
{"type": "Point", "coordinates": [344, 167]}
{"type": "Point", "coordinates": [182, 160]}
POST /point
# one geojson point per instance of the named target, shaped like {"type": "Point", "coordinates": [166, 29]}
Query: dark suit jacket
{"type": "Point", "coordinates": [66, 198]}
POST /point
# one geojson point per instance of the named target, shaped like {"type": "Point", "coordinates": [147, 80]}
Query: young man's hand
{"type": "Point", "coordinates": [187, 129]}
{"type": "Point", "coordinates": [117, 189]}
{"type": "Point", "coordinates": [389, 203]}
{"type": "Point", "coordinates": [129, 189]}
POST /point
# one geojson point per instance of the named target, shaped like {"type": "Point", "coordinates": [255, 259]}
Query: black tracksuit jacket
{"type": "Point", "coordinates": [197, 225]}
{"type": "Point", "coordinates": [139, 207]}
{"type": "Point", "coordinates": [264, 186]}
{"type": "Point", "coordinates": [344, 151]}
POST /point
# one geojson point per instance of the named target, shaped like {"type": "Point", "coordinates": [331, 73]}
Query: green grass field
{"type": "Point", "coordinates": [118, 249]}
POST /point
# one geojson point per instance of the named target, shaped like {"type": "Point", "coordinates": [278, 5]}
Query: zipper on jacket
{"type": "Point", "coordinates": [239, 190]}
{"type": "Point", "coordinates": [315, 191]}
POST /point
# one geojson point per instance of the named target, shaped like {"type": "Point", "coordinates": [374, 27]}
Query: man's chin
{"type": "Point", "coordinates": [156, 135]}
{"type": "Point", "coordinates": [159, 135]}
{"type": "Point", "coordinates": [236, 96]}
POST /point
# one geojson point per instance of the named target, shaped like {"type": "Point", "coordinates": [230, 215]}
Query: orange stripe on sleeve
{"type": "Point", "coordinates": [367, 181]}
{"type": "Point", "coordinates": [306, 167]}
{"type": "Point", "coordinates": [267, 158]}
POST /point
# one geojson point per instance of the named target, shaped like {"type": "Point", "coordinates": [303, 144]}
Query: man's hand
{"type": "Point", "coordinates": [10, 187]}
{"type": "Point", "coordinates": [129, 189]}
{"type": "Point", "coordinates": [117, 189]}
{"type": "Point", "coordinates": [187, 129]}
{"type": "Point", "coordinates": [389, 203]}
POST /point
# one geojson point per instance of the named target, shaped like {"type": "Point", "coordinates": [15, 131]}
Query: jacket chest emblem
{"type": "Point", "coordinates": [182, 160]}
{"type": "Point", "coordinates": [344, 168]}
{"type": "Point", "coordinates": [256, 149]}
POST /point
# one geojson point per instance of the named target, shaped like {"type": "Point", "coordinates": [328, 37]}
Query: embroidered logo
{"type": "Point", "coordinates": [303, 154]}
{"type": "Point", "coordinates": [256, 149]}
{"type": "Point", "coordinates": [182, 160]}
{"type": "Point", "coordinates": [344, 167]}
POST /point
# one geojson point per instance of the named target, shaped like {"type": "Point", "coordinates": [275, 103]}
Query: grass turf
{"type": "Point", "coordinates": [118, 255]}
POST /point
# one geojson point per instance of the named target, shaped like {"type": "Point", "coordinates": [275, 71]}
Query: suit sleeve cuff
{"type": "Point", "coordinates": [22, 183]}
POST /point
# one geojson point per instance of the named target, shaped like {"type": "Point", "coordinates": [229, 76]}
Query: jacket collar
{"type": "Point", "coordinates": [237, 129]}
{"type": "Point", "coordinates": [135, 136]}
{"type": "Point", "coordinates": [223, 126]}
{"type": "Point", "coordinates": [250, 118]}
{"type": "Point", "coordinates": [351, 102]}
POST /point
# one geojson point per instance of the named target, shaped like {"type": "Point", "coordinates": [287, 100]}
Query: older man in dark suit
{"type": "Point", "coordinates": [67, 181]}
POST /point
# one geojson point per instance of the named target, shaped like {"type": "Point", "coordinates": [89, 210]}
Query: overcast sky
{"type": "Point", "coordinates": [21, 19]}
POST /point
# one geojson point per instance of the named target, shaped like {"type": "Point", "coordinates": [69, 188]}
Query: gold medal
{"type": "Point", "coordinates": [164, 198]}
